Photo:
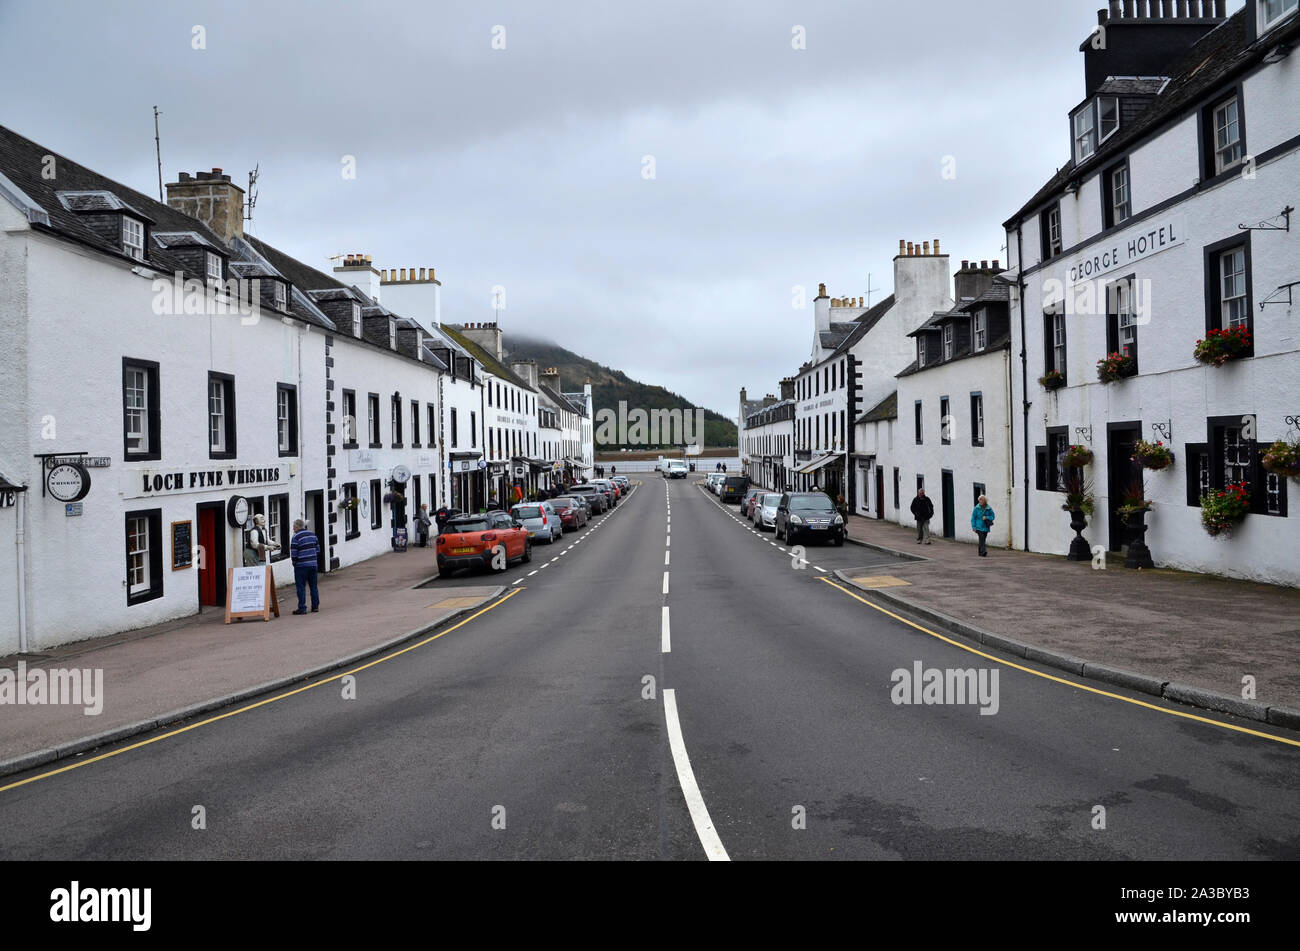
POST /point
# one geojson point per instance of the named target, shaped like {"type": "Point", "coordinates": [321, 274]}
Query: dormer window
{"type": "Point", "coordinates": [980, 330]}
{"type": "Point", "coordinates": [1093, 124]}
{"type": "Point", "coordinates": [947, 341]}
{"type": "Point", "coordinates": [1273, 12]}
{"type": "Point", "coordinates": [213, 267]}
{"type": "Point", "coordinates": [392, 334]}
{"type": "Point", "coordinates": [356, 319]}
{"type": "Point", "coordinates": [920, 351]}
{"type": "Point", "coordinates": [133, 237]}
{"type": "Point", "coordinates": [281, 296]}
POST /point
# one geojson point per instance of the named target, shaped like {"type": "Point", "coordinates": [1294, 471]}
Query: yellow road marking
{"type": "Point", "coordinates": [1062, 680]}
{"type": "Point", "coordinates": [455, 603]}
{"type": "Point", "coordinates": [881, 581]}
{"type": "Point", "coordinates": [253, 706]}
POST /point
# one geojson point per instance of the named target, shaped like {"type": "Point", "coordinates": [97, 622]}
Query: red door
{"type": "Point", "coordinates": [207, 568]}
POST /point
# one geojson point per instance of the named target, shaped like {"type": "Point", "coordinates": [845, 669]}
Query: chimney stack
{"type": "Point", "coordinates": [211, 198]}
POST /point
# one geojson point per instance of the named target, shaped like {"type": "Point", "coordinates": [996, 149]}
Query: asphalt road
{"type": "Point", "coordinates": [531, 731]}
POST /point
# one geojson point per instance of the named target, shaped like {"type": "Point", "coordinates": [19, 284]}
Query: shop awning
{"type": "Point", "coordinates": [818, 463]}
{"type": "Point", "coordinates": [454, 454]}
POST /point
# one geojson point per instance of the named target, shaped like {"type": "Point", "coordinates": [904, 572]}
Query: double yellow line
{"type": "Point", "coordinates": [261, 703]}
{"type": "Point", "coordinates": [1062, 680]}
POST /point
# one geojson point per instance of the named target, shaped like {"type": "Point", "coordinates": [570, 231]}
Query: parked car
{"type": "Point", "coordinates": [763, 510]}
{"type": "Point", "coordinates": [472, 541]}
{"type": "Point", "coordinates": [675, 469]}
{"type": "Point", "coordinates": [733, 488]}
{"type": "Point", "coordinates": [572, 512]}
{"type": "Point", "coordinates": [611, 493]}
{"type": "Point", "coordinates": [624, 483]}
{"type": "Point", "coordinates": [540, 519]}
{"type": "Point", "coordinates": [748, 498]}
{"type": "Point", "coordinates": [809, 515]}
{"type": "Point", "coordinates": [714, 480]}
{"type": "Point", "coordinates": [593, 494]}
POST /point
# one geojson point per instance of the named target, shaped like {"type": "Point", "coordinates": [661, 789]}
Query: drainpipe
{"type": "Point", "coordinates": [1024, 370]}
{"type": "Point", "coordinates": [1011, 445]}
{"type": "Point", "coordinates": [20, 542]}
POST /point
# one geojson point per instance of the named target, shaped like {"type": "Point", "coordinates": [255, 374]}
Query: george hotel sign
{"type": "Point", "coordinates": [1160, 234]}
{"type": "Point", "coordinates": [147, 483]}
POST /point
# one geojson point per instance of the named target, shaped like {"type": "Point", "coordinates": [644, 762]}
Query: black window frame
{"type": "Point", "coordinates": [156, 579]}
{"type": "Point", "coordinates": [376, 504]}
{"type": "Point", "coordinates": [1194, 456]}
{"type": "Point", "coordinates": [350, 396]}
{"type": "Point", "coordinates": [979, 489]}
{"type": "Point", "coordinates": [1112, 317]}
{"type": "Point", "coordinates": [415, 425]}
{"type": "Point", "coordinates": [945, 411]}
{"type": "Point", "coordinates": [153, 414]}
{"type": "Point", "coordinates": [280, 502]}
{"type": "Point", "coordinates": [897, 486]}
{"type": "Point", "coordinates": [1208, 138]}
{"type": "Point", "coordinates": [1213, 263]}
{"type": "Point", "coordinates": [396, 417]}
{"type": "Point", "coordinates": [1049, 342]}
{"type": "Point", "coordinates": [473, 429]}
{"type": "Point", "coordinates": [1055, 474]}
{"type": "Point", "coordinates": [918, 421]}
{"type": "Point", "coordinates": [455, 434]}
{"type": "Point", "coordinates": [1048, 249]}
{"type": "Point", "coordinates": [430, 424]}
{"type": "Point", "coordinates": [227, 381]}
{"type": "Point", "coordinates": [351, 514]}
{"type": "Point", "coordinates": [1107, 189]}
{"type": "Point", "coordinates": [292, 390]}
{"type": "Point", "coordinates": [977, 413]}
{"type": "Point", "coordinates": [373, 424]}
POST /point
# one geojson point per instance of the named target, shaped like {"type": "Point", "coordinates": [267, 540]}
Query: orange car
{"type": "Point", "coordinates": [489, 540]}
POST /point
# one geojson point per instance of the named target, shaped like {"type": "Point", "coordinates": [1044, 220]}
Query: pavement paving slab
{"type": "Point", "coordinates": [151, 672]}
{"type": "Point", "coordinates": [1201, 630]}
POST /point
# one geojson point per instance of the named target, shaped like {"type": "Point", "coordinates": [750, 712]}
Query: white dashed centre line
{"type": "Point", "coordinates": [666, 557]}
{"type": "Point", "coordinates": [665, 582]}
{"type": "Point", "coordinates": [533, 572]}
{"type": "Point", "coordinates": [690, 789]}
{"type": "Point", "coordinates": [665, 642]}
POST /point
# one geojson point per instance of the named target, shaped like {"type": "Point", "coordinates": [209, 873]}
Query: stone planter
{"type": "Point", "coordinates": [1080, 550]}
{"type": "Point", "coordinates": [1139, 555]}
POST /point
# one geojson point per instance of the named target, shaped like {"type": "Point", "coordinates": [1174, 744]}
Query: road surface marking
{"type": "Point", "coordinates": [666, 557]}
{"type": "Point", "coordinates": [261, 703]}
{"type": "Point", "coordinates": [1061, 680]}
{"type": "Point", "coordinates": [668, 541]}
{"type": "Point", "coordinates": [820, 568]}
{"type": "Point", "coordinates": [533, 572]}
{"type": "Point", "coordinates": [555, 559]}
{"type": "Point", "coordinates": [665, 582]}
{"type": "Point", "coordinates": [665, 643]}
{"type": "Point", "coordinates": [690, 789]}
{"type": "Point", "coordinates": [517, 581]}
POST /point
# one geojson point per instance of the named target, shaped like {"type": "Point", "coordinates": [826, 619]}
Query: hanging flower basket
{"type": "Point", "coordinates": [1052, 380]}
{"type": "Point", "coordinates": [1115, 367]}
{"type": "Point", "coordinates": [1152, 455]}
{"type": "Point", "coordinates": [1076, 457]}
{"type": "Point", "coordinates": [349, 505]}
{"type": "Point", "coordinates": [392, 498]}
{"type": "Point", "coordinates": [1283, 458]}
{"type": "Point", "coordinates": [1220, 346]}
{"type": "Point", "coordinates": [1223, 509]}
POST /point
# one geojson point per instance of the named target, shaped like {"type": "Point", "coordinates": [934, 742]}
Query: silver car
{"type": "Point", "coordinates": [540, 519]}
{"type": "Point", "coordinates": [764, 513]}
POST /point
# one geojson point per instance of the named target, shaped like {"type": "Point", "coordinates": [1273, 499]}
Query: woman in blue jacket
{"type": "Point", "coordinates": [981, 519]}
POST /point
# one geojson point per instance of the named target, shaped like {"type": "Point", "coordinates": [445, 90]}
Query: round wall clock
{"type": "Point", "coordinates": [237, 511]}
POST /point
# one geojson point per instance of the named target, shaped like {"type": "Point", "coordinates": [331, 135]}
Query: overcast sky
{"type": "Point", "coordinates": [525, 166]}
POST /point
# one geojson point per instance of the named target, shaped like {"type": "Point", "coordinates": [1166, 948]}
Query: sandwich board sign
{"type": "Point", "coordinates": [250, 593]}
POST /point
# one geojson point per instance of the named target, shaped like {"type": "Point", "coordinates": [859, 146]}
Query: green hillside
{"type": "Point", "coordinates": [609, 386]}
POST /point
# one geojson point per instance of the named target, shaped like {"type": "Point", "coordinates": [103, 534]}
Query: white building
{"type": "Point", "coordinates": [945, 429]}
{"type": "Point", "coordinates": [564, 425]}
{"type": "Point", "coordinates": [583, 402]}
{"type": "Point", "coordinates": [767, 443]}
{"type": "Point", "coordinates": [1173, 217]}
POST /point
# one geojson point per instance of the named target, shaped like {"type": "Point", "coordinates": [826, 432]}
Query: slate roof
{"type": "Point", "coordinates": [860, 327]}
{"type": "Point", "coordinates": [22, 162]}
{"type": "Point", "coordinates": [489, 362]}
{"type": "Point", "coordinates": [1132, 86]}
{"type": "Point", "coordinates": [1000, 342]}
{"type": "Point", "coordinates": [1210, 63]}
{"type": "Point", "coordinates": [999, 292]}
{"type": "Point", "coordinates": [885, 409]}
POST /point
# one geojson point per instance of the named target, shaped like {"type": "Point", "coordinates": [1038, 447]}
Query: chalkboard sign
{"type": "Point", "coordinates": [182, 545]}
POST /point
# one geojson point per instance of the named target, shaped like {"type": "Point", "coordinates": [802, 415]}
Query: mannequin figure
{"type": "Point", "coordinates": [257, 543]}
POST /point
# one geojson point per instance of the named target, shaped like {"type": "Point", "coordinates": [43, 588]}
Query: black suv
{"type": "Point", "coordinates": [809, 515]}
{"type": "Point", "coordinates": [733, 489]}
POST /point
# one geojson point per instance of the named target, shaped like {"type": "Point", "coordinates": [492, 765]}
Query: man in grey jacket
{"type": "Point", "coordinates": [922, 511]}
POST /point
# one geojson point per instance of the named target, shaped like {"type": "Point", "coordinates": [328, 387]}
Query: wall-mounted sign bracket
{"type": "Point", "coordinates": [1280, 222]}
{"type": "Point", "coordinates": [1276, 296]}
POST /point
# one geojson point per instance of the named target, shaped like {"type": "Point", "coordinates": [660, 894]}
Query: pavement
{"type": "Point", "coordinates": [1175, 627]}
{"type": "Point", "coordinates": [669, 684]}
{"type": "Point", "coordinates": [171, 671]}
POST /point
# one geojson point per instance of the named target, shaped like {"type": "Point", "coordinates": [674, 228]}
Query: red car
{"type": "Point", "coordinates": [573, 514]}
{"type": "Point", "coordinates": [489, 540]}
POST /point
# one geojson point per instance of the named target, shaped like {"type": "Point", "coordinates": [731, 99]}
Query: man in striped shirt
{"type": "Point", "coordinates": [303, 550]}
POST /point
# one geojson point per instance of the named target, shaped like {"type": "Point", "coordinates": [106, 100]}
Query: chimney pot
{"type": "Point", "coordinates": [431, 277]}
{"type": "Point", "coordinates": [984, 265]}
{"type": "Point", "coordinates": [1115, 9]}
{"type": "Point", "coordinates": [421, 273]}
{"type": "Point", "coordinates": [369, 259]}
{"type": "Point", "coordinates": [995, 265]}
{"type": "Point", "coordinates": [909, 249]}
{"type": "Point", "coordinates": [902, 246]}
{"type": "Point", "coordinates": [927, 248]}
{"type": "Point", "coordinates": [936, 245]}
{"type": "Point", "coordinates": [216, 171]}
{"type": "Point", "coordinates": [965, 265]}
{"type": "Point", "coordinates": [1129, 12]}
{"type": "Point", "coordinates": [821, 290]}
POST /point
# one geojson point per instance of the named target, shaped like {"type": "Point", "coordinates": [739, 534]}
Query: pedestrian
{"type": "Point", "coordinates": [422, 525]}
{"type": "Point", "coordinates": [303, 549]}
{"type": "Point", "coordinates": [440, 517]}
{"type": "Point", "coordinates": [981, 519]}
{"type": "Point", "coordinates": [922, 511]}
